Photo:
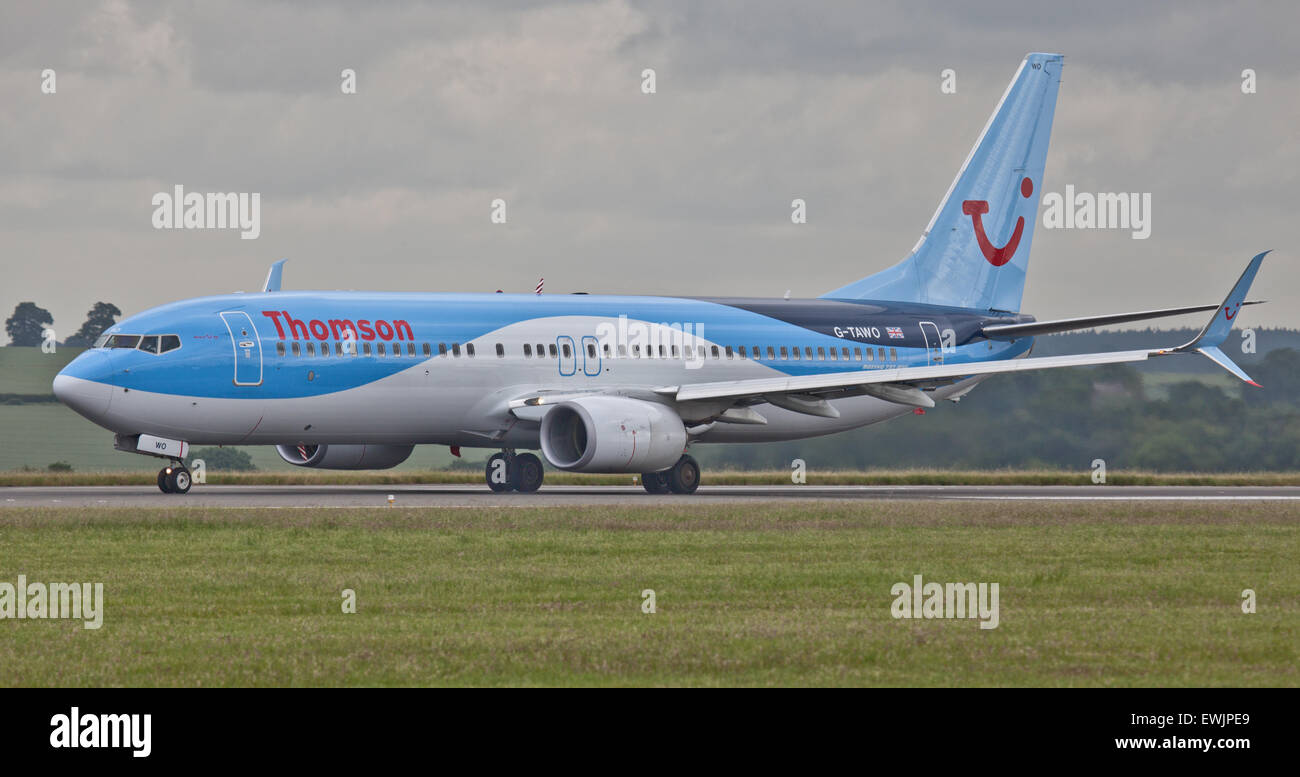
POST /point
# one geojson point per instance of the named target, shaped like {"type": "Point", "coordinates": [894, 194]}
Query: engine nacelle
{"type": "Point", "coordinates": [345, 456]}
{"type": "Point", "coordinates": [612, 434]}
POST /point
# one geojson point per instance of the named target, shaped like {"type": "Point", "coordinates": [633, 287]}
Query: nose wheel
{"type": "Point", "coordinates": [174, 479]}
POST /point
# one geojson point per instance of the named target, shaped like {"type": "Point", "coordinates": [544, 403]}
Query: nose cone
{"type": "Point", "coordinates": [83, 384]}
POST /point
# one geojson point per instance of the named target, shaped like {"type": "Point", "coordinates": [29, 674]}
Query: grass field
{"type": "Point", "coordinates": [30, 371]}
{"type": "Point", "coordinates": [1091, 594]}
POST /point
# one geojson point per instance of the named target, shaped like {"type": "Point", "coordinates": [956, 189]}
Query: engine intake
{"type": "Point", "coordinates": [612, 434]}
{"type": "Point", "coordinates": [345, 456]}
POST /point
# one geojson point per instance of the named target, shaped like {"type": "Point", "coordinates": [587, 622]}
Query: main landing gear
{"type": "Point", "coordinates": [681, 478]}
{"type": "Point", "coordinates": [508, 471]}
{"type": "Point", "coordinates": [174, 479]}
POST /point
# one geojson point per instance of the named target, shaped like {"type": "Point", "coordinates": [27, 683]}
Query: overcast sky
{"type": "Point", "coordinates": [686, 191]}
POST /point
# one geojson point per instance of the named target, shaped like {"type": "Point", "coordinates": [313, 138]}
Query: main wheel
{"type": "Point", "coordinates": [528, 473]}
{"type": "Point", "coordinates": [179, 481]}
{"type": "Point", "coordinates": [655, 482]}
{"type": "Point", "coordinates": [162, 482]}
{"type": "Point", "coordinates": [500, 472]}
{"type": "Point", "coordinates": [684, 476]}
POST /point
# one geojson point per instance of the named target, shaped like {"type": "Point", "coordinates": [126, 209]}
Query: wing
{"type": "Point", "coordinates": [906, 384]}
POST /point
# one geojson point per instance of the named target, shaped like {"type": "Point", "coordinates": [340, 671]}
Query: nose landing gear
{"type": "Point", "coordinates": [174, 479]}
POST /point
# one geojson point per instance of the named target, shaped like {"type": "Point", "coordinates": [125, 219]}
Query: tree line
{"type": "Point", "coordinates": [29, 321]}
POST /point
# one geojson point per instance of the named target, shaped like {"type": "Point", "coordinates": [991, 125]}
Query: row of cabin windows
{"type": "Point", "coordinates": [542, 351]}
{"type": "Point", "coordinates": [774, 353]}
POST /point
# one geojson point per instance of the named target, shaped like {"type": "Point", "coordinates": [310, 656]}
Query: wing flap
{"type": "Point", "coordinates": [900, 375]}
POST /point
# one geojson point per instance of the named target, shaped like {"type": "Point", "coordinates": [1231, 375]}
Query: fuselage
{"type": "Point", "coordinates": [411, 368]}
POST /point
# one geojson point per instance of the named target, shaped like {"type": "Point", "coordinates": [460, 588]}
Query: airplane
{"type": "Point", "coordinates": [611, 384]}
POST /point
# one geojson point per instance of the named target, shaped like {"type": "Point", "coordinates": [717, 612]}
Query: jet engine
{"type": "Point", "coordinates": [345, 456]}
{"type": "Point", "coordinates": [612, 434]}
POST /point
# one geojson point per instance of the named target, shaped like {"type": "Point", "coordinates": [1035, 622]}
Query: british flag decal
{"type": "Point", "coordinates": [894, 332]}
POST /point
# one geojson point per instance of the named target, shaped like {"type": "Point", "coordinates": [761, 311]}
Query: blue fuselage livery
{"type": "Point", "coordinates": [428, 363]}
{"type": "Point", "coordinates": [354, 380]}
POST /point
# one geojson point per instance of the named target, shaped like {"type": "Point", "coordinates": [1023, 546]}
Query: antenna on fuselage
{"type": "Point", "coordinates": [273, 276]}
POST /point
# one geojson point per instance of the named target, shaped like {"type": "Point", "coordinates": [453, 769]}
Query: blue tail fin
{"type": "Point", "coordinates": [975, 251]}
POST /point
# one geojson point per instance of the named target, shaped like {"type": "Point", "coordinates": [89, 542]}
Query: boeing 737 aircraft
{"type": "Point", "coordinates": [355, 380]}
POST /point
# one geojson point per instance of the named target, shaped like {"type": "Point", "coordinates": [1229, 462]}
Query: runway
{"type": "Point", "coordinates": [319, 497]}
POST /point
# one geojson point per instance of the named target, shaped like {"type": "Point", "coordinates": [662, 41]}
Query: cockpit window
{"type": "Point", "coordinates": [122, 341]}
{"type": "Point", "coordinates": [154, 344]}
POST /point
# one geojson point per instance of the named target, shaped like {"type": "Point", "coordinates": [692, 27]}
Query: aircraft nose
{"type": "Point", "coordinates": [83, 384]}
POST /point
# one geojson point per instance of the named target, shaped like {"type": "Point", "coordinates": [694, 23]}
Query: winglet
{"type": "Point", "coordinates": [1220, 324]}
{"type": "Point", "coordinates": [1216, 331]}
{"type": "Point", "coordinates": [1220, 358]}
{"type": "Point", "coordinates": [273, 277]}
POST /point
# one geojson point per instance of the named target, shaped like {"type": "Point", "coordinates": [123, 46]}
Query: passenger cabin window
{"type": "Point", "coordinates": [469, 349]}
{"type": "Point", "coordinates": [379, 349]}
{"type": "Point", "coordinates": [784, 355]}
{"type": "Point", "coordinates": [794, 353]}
{"type": "Point", "coordinates": [715, 350]}
{"type": "Point", "coordinates": [857, 353]}
{"type": "Point", "coordinates": [311, 349]}
{"type": "Point", "coordinates": [541, 351]}
{"type": "Point", "coordinates": [410, 349]}
{"type": "Point", "coordinates": [297, 349]}
{"type": "Point", "coordinates": [528, 350]}
{"type": "Point", "coordinates": [455, 349]}
{"type": "Point", "coordinates": [442, 349]}
{"type": "Point", "coordinates": [279, 348]}
{"type": "Point", "coordinates": [551, 348]}
{"type": "Point", "coordinates": [428, 350]}
{"type": "Point", "coordinates": [567, 352]}
{"type": "Point", "coordinates": [893, 354]}
{"type": "Point", "coordinates": [501, 351]}
{"type": "Point", "coordinates": [730, 353]}
{"type": "Point", "coordinates": [591, 350]}
{"type": "Point", "coordinates": [881, 353]}
{"type": "Point", "coordinates": [771, 354]}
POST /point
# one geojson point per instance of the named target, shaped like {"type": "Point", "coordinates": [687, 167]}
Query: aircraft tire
{"type": "Point", "coordinates": [684, 477]}
{"type": "Point", "coordinates": [528, 473]}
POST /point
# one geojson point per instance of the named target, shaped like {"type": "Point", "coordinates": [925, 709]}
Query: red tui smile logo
{"type": "Point", "coordinates": [1230, 312]}
{"type": "Point", "coordinates": [977, 208]}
